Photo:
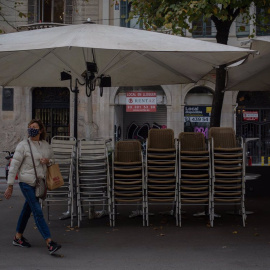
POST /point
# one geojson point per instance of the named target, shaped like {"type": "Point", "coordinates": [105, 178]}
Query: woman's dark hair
{"type": "Point", "coordinates": [41, 128]}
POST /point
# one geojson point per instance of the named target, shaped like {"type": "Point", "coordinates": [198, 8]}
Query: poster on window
{"type": "Point", "coordinates": [141, 102]}
{"type": "Point", "coordinates": [197, 119]}
{"type": "Point", "coordinates": [250, 116]}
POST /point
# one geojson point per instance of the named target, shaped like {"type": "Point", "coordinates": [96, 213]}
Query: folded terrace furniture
{"type": "Point", "coordinates": [194, 173]}
{"type": "Point", "coordinates": [161, 171]}
{"type": "Point", "coordinates": [128, 177]}
{"type": "Point", "coordinates": [228, 169]}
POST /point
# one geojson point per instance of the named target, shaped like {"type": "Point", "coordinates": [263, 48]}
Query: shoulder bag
{"type": "Point", "coordinates": [41, 189]}
{"type": "Point", "coordinates": [54, 177]}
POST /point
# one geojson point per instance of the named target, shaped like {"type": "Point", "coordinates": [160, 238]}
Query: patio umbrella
{"type": "Point", "coordinates": [253, 74]}
{"type": "Point", "coordinates": [91, 51]}
{"type": "Point", "coordinates": [131, 57]}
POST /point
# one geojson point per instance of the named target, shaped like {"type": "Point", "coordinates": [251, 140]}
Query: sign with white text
{"type": "Point", "coordinates": [199, 114]}
{"type": "Point", "coordinates": [141, 102]}
{"type": "Point", "coordinates": [250, 116]}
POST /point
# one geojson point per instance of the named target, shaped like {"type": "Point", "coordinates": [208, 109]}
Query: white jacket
{"type": "Point", "coordinates": [23, 165]}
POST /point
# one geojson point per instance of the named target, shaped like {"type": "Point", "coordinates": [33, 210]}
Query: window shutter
{"type": "Point", "coordinates": [68, 12]}
{"type": "Point", "coordinates": [31, 11]}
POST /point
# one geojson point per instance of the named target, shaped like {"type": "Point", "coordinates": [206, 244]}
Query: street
{"type": "Point", "coordinates": [129, 245]}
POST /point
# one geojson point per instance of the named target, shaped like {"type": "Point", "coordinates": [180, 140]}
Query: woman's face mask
{"type": "Point", "coordinates": [33, 132]}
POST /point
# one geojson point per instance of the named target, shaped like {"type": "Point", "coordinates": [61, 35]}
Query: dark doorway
{"type": "Point", "coordinates": [52, 106]}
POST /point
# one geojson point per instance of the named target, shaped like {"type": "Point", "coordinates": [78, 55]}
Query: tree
{"type": "Point", "coordinates": [178, 16]}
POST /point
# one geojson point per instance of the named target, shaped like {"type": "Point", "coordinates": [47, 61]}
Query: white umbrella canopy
{"type": "Point", "coordinates": [254, 73]}
{"type": "Point", "coordinates": [131, 57]}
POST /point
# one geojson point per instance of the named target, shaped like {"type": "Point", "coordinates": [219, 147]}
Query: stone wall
{"type": "Point", "coordinates": [10, 18]}
{"type": "Point", "coordinates": [13, 124]}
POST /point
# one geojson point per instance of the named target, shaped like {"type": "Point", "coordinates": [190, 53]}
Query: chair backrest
{"type": "Point", "coordinates": [128, 151]}
{"type": "Point", "coordinates": [223, 137]}
{"type": "Point", "coordinates": [161, 138]}
{"type": "Point", "coordinates": [192, 141]}
{"type": "Point", "coordinates": [65, 140]}
{"type": "Point", "coordinates": [93, 148]}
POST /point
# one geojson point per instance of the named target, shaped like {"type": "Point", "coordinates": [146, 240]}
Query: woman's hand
{"type": "Point", "coordinates": [8, 192]}
{"type": "Point", "coordinates": [44, 161]}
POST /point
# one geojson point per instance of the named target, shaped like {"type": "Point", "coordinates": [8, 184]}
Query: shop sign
{"type": "Point", "coordinates": [199, 114]}
{"type": "Point", "coordinates": [250, 116]}
{"type": "Point", "coordinates": [141, 102]}
{"type": "Point", "coordinates": [197, 119]}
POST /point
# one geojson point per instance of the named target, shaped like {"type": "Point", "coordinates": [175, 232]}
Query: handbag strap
{"type": "Point", "coordinates": [32, 158]}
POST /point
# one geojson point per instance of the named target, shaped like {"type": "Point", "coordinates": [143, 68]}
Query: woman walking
{"type": "Point", "coordinates": [22, 164]}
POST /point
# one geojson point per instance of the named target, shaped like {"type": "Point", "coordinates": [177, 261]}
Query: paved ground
{"type": "Point", "coordinates": [128, 246]}
{"type": "Point", "coordinates": [2, 173]}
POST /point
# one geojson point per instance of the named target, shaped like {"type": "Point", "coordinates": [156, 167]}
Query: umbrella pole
{"type": "Point", "coordinates": [64, 77]}
{"type": "Point", "coordinates": [76, 93]}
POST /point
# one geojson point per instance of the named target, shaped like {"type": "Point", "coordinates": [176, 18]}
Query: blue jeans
{"type": "Point", "coordinates": [32, 205]}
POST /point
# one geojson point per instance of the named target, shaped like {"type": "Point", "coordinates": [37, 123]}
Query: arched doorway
{"type": "Point", "coordinates": [124, 118]}
{"type": "Point", "coordinates": [52, 106]}
{"type": "Point", "coordinates": [197, 111]}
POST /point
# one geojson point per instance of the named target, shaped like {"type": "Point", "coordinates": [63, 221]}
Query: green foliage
{"type": "Point", "coordinates": [177, 15]}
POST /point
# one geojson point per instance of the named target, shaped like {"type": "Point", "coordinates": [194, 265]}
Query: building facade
{"type": "Point", "coordinates": [184, 107]}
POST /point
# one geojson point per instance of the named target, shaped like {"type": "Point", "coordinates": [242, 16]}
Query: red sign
{"type": "Point", "coordinates": [141, 102]}
{"type": "Point", "coordinates": [250, 116]}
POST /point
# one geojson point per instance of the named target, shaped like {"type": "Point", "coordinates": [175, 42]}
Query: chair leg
{"type": "Point", "coordinates": [143, 212]}
{"type": "Point", "coordinates": [79, 216]}
{"type": "Point", "coordinates": [48, 211]}
{"type": "Point", "coordinates": [180, 215]}
{"type": "Point", "coordinates": [113, 215]}
{"type": "Point", "coordinates": [71, 214]}
{"type": "Point", "coordinates": [244, 216]}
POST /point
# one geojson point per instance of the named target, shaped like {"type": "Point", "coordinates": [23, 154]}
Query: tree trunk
{"type": "Point", "coordinates": [218, 97]}
{"type": "Point", "coordinates": [223, 29]}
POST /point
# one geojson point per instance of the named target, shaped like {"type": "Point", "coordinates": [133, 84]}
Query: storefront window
{"type": "Point", "coordinates": [197, 111]}
{"type": "Point", "coordinates": [197, 119]}
{"type": "Point", "coordinates": [253, 124]}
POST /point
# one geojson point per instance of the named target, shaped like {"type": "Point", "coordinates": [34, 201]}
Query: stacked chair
{"type": "Point", "coordinates": [127, 177]}
{"type": "Point", "coordinates": [93, 178]}
{"type": "Point", "coordinates": [161, 170]}
{"type": "Point", "coordinates": [228, 169]}
{"type": "Point", "coordinates": [194, 173]}
{"type": "Point", "coordinates": [64, 149]}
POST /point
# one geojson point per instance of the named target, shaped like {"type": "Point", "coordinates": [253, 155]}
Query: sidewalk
{"type": "Point", "coordinates": [2, 173]}
{"type": "Point", "coordinates": [128, 246]}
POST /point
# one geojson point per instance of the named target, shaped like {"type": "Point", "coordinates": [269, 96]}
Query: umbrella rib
{"type": "Point", "coordinates": [249, 76]}
{"type": "Point", "coordinates": [65, 63]}
{"type": "Point", "coordinates": [216, 66]}
{"type": "Point", "coordinates": [153, 59]}
{"type": "Point", "coordinates": [107, 67]}
{"type": "Point", "coordinates": [160, 63]}
{"type": "Point", "coordinates": [84, 57]}
{"type": "Point", "coordinates": [25, 70]}
{"type": "Point", "coordinates": [7, 55]}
